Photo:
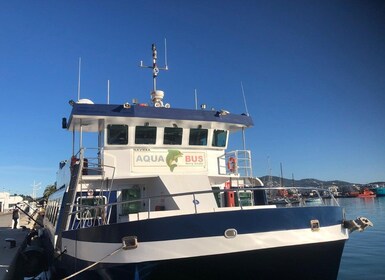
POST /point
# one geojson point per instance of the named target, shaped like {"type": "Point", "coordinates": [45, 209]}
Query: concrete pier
{"type": "Point", "coordinates": [11, 240]}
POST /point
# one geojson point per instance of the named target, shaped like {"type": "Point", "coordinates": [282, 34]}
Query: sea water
{"type": "Point", "coordinates": [364, 252]}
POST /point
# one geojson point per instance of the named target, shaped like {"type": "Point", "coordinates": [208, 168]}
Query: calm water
{"type": "Point", "coordinates": [364, 253]}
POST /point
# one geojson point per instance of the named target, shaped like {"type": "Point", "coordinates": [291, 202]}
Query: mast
{"type": "Point", "coordinates": [79, 70]}
{"type": "Point", "coordinates": [156, 95]}
{"type": "Point", "coordinates": [247, 113]}
{"type": "Point", "coordinates": [281, 175]}
{"type": "Point", "coordinates": [108, 91]}
{"type": "Point", "coordinates": [244, 99]}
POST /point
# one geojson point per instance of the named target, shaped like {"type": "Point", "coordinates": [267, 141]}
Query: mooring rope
{"type": "Point", "coordinates": [92, 265]}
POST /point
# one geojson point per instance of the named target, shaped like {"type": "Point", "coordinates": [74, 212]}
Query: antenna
{"type": "Point", "coordinates": [108, 91]}
{"type": "Point", "coordinates": [35, 187]}
{"type": "Point", "coordinates": [244, 99]}
{"type": "Point", "coordinates": [79, 70]}
{"type": "Point", "coordinates": [281, 175]}
{"type": "Point", "coordinates": [196, 99]}
{"type": "Point", "coordinates": [157, 95]}
{"type": "Point", "coordinates": [154, 67]}
{"type": "Point", "coordinates": [165, 54]}
{"type": "Point", "coordinates": [270, 179]}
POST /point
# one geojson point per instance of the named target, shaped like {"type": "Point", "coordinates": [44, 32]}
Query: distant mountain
{"type": "Point", "coordinates": [276, 181]}
{"type": "Point", "coordinates": [315, 183]}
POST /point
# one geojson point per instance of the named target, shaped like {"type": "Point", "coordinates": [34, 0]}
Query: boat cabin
{"type": "Point", "coordinates": [147, 156]}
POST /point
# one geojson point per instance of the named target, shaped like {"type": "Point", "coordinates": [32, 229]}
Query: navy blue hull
{"type": "Point", "coordinates": [210, 224]}
{"type": "Point", "coordinates": [311, 261]}
{"type": "Point", "coordinates": [314, 261]}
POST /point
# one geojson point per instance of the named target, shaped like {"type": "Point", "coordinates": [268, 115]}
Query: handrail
{"type": "Point", "coordinates": [239, 159]}
{"type": "Point", "coordinates": [86, 209]}
{"type": "Point", "coordinates": [98, 168]}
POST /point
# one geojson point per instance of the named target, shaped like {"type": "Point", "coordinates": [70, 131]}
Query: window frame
{"type": "Point", "coordinates": [217, 138]}
{"type": "Point", "coordinates": [178, 135]}
{"type": "Point", "coordinates": [146, 130]}
{"type": "Point", "coordinates": [196, 135]}
{"type": "Point", "coordinates": [110, 138]}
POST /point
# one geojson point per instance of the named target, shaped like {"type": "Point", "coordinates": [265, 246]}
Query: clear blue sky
{"type": "Point", "coordinates": [313, 74]}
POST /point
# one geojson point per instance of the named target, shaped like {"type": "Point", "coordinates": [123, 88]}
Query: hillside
{"type": "Point", "coordinates": [310, 182]}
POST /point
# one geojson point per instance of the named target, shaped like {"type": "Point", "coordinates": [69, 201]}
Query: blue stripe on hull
{"type": "Point", "coordinates": [315, 261]}
{"type": "Point", "coordinates": [210, 224]}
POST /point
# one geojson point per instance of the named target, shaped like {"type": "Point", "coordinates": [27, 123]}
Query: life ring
{"type": "Point", "coordinates": [232, 164]}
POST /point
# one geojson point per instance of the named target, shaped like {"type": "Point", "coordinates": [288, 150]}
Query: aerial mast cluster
{"type": "Point", "coordinates": [156, 95]}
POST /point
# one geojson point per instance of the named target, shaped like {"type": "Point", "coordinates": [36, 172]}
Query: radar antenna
{"type": "Point", "coordinates": [156, 95]}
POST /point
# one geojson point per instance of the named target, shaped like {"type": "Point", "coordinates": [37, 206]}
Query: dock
{"type": "Point", "coordinates": [11, 240]}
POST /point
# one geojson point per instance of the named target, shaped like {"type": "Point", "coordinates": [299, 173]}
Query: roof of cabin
{"type": "Point", "coordinates": [89, 114]}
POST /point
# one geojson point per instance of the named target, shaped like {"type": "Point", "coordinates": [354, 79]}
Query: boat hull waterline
{"type": "Point", "coordinates": [185, 241]}
{"type": "Point", "coordinates": [287, 262]}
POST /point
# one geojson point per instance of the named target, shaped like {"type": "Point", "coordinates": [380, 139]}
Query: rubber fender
{"type": "Point", "coordinates": [35, 261]}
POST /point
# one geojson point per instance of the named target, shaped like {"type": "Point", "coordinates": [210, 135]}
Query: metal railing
{"type": "Point", "coordinates": [245, 198]}
{"type": "Point", "coordinates": [236, 162]}
{"type": "Point", "coordinates": [92, 160]}
{"type": "Point", "coordinates": [92, 165]}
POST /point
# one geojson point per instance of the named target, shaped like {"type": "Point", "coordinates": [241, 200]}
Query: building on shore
{"type": "Point", "coordinates": [7, 201]}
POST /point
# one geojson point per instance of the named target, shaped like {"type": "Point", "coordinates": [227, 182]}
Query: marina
{"type": "Point", "coordinates": [158, 196]}
{"type": "Point", "coordinates": [247, 143]}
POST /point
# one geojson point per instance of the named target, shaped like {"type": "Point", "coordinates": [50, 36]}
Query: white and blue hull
{"type": "Point", "coordinates": [269, 242]}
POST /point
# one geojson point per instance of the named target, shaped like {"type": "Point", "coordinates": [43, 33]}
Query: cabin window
{"type": "Point", "coordinates": [219, 138]}
{"type": "Point", "coordinates": [48, 212]}
{"type": "Point", "coordinates": [145, 135]}
{"type": "Point", "coordinates": [134, 206]}
{"type": "Point", "coordinates": [172, 136]}
{"type": "Point", "coordinates": [57, 210]}
{"type": "Point", "coordinates": [56, 205]}
{"type": "Point", "coordinates": [117, 134]}
{"type": "Point", "coordinates": [198, 137]}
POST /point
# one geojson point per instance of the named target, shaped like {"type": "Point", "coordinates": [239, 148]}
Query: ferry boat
{"type": "Point", "coordinates": [151, 192]}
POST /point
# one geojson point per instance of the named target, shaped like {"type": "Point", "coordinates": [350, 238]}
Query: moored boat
{"type": "Point", "coordinates": [366, 193]}
{"type": "Point", "coordinates": [160, 197]}
{"type": "Point", "coordinates": [380, 191]}
{"type": "Point", "coordinates": [352, 194]}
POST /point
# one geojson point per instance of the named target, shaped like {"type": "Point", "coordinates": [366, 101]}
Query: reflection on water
{"type": "Point", "coordinates": [364, 253]}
